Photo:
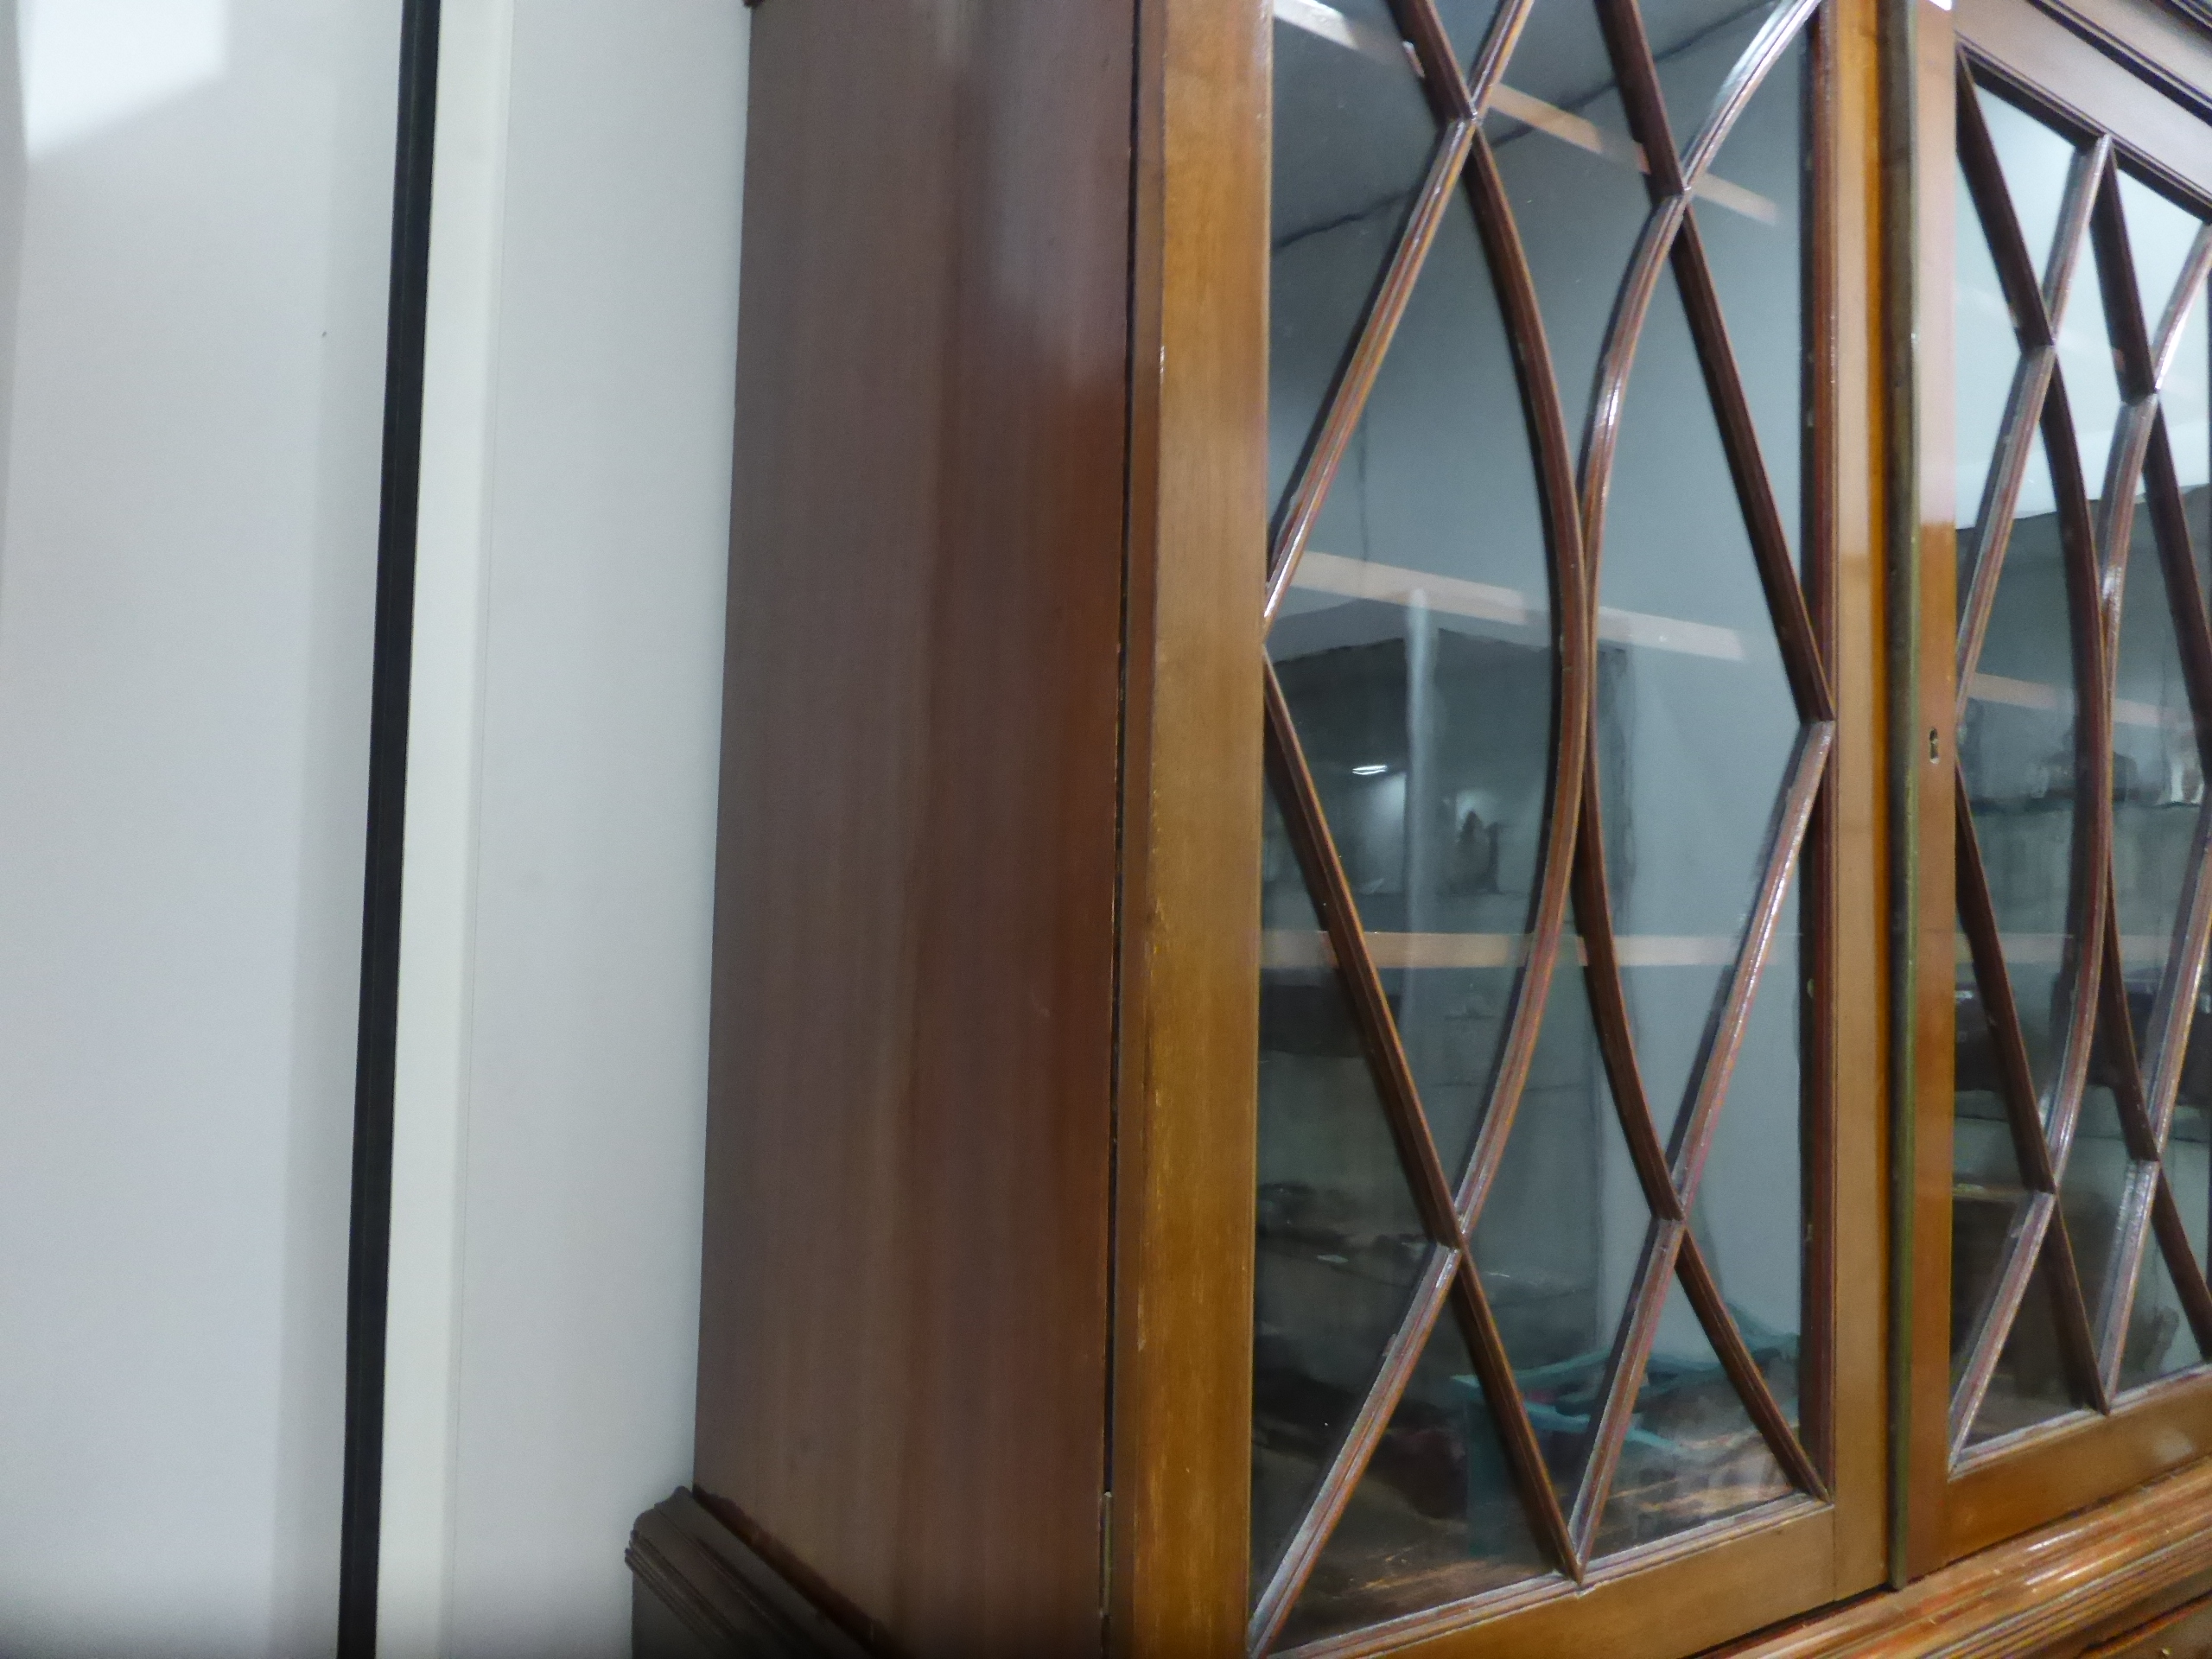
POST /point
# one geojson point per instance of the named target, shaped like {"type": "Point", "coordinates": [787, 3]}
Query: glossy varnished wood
{"type": "Point", "coordinates": [2154, 39]}
{"type": "Point", "coordinates": [1919, 239]}
{"type": "Point", "coordinates": [904, 1364]}
{"type": "Point", "coordinates": [1190, 892]}
{"type": "Point", "coordinates": [2055, 1593]}
{"type": "Point", "coordinates": [2185, 1633]}
{"type": "Point", "coordinates": [2032, 46]}
{"type": "Point", "coordinates": [1675, 1600]}
{"type": "Point", "coordinates": [1848, 1140]}
{"type": "Point", "coordinates": [2067, 1464]}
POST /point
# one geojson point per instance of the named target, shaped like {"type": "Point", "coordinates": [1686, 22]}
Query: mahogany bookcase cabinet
{"type": "Point", "coordinates": [1464, 864]}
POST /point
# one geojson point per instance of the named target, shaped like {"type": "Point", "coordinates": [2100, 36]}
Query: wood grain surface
{"type": "Point", "coordinates": [1189, 1038]}
{"type": "Point", "coordinates": [2058, 1592]}
{"type": "Point", "coordinates": [903, 1371]}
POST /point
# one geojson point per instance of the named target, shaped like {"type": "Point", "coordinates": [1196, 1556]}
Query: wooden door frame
{"type": "Point", "coordinates": [2083, 59]}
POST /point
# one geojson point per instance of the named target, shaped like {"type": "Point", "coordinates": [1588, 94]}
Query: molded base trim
{"type": "Point", "coordinates": [2108, 1575]}
{"type": "Point", "coordinates": [700, 1592]}
{"type": "Point", "coordinates": [2057, 1592]}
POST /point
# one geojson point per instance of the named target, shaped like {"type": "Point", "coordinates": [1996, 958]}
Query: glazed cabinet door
{"type": "Point", "coordinates": [2066, 220]}
{"type": "Point", "coordinates": [1568, 1295]}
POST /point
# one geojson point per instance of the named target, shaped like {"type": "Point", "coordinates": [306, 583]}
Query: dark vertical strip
{"type": "Point", "coordinates": [369, 1261]}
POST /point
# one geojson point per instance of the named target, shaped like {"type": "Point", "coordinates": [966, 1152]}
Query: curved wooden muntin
{"type": "Point", "coordinates": [1573, 483]}
{"type": "Point", "coordinates": [2091, 263]}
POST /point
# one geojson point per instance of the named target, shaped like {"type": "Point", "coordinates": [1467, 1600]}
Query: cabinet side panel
{"type": "Point", "coordinates": [904, 1344]}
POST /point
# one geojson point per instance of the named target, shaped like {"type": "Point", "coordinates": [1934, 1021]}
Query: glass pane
{"type": "Point", "coordinates": [1988, 1193]}
{"type": "Point", "coordinates": [1340, 1245]}
{"type": "Point", "coordinates": [2188, 1158]}
{"type": "Point", "coordinates": [2091, 1191]}
{"type": "Point", "coordinates": [2157, 783]}
{"type": "Point", "coordinates": [2016, 748]}
{"type": "Point", "coordinates": [2185, 410]}
{"type": "Point", "coordinates": [1693, 1455]}
{"type": "Point", "coordinates": [1434, 1518]}
{"type": "Point", "coordinates": [1696, 721]}
{"type": "Point", "coordinates": [1987, 350]}
{"type": "Point", "coordinates": [2159, 235]}
{"type": "Point", "coordinates": [1415, 651]}
{"type": "Point", "coordinates": [1562, 1232]}
{"type": "Point", "coordinates": [2037, 163]}
{"type": "Point", "coordinates": [1570, 172]}
{"type": "Point", "coordinates": [2088, 367]}
{"type": "Point", "coordinates": [1988, 1200]}
{"type": "Point", "coordinates": [1750, 216]}
{"type": "Point", "coordinates": [2159, 1340]}
{"type": "Point", "coordinates": [2183, 399]}
{"type": "Point", "coordinates": [1467, 24]}
{"type": "Point", "coordinates": [1749, 1216]}
{"type": "Point", "coordinates": [1353, 140]}
{"type": "Point", "coordinates": [1697, 45]}
{"type": "Point", "coordinates": [2029, 1386]}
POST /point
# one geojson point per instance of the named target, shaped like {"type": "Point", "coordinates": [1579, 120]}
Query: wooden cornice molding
{"type": "Point", "coordinates": [2056, 1593]}
{"type": "Point", "coordinates": [2166, 43]}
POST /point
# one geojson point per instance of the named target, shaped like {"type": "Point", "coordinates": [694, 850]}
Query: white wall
{"type": "Point", "coordinates": [198, 226]}
{"type": "Point", "coordinates": [197, 322]}
{"type": "Point", "coordinates": [562, 814]}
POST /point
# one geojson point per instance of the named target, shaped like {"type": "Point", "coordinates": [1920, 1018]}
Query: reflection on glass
{"type": "Point", "coordinates": [1752, 231]}
{"type": "Point", "coordinates": [1749, 1215]}
{"type": "Point", "coordinates": [1467, 24]}
{"type": "Point", "coordinates": [2090, 373]}
{"type": "Point", "coordinates": [2037, 163]}
{"type": "Point", "coordinates": [2030, 1385]}
{"type": "Point", "coordinates": [2028, 791]}
{"type": "Point", "coordinates": [2017, 749]}
{"type": "Point", "coordinates": [1560, 1236]}
{"type": "Point", "coordinates": [1987, 352]}
{"type": "Point", "coordinates": [2157, 784]}
{"type": "Point", "coordinates": [2091, 1191]}
{"type": "Point", "coordinates": [1353, 140]}
{"type": "Point", "coordinates": [1340, 1245]}
{"type": "Point", "coordinates": [1694, 744]}
{"type": "Point", "coordinates": [2159, 1339]}
{"type": "Point", "coordinates": [1415, 651]}
{"type": "Point", "coordinates": [1988, 1195]}
{"type": "Point", "coordinates": [1698, 45]}
{"type": "Point", "coordinates": [1693, 1454]}
{"type": "Point", "coordinates": [2185, 413]}
{"type": "Point", "coordinates": [1574, 186]}
{"type": "Point", "coordinates": [2159, 237]}
{"type": "Point", "coordinates": [1435, 1518]}
{"type": "Point", "coordinates": [1414, 648]}
{"type": "Point", "coordinates": [2188, 1158]}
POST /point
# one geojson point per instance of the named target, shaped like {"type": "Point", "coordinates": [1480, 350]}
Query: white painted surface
{"type": "Point", "coordinates": [561, 848]}
{"type": "Point", "coordinates": [197, 321]}
{"type": "Point", "coordinates": [431, 1070]}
